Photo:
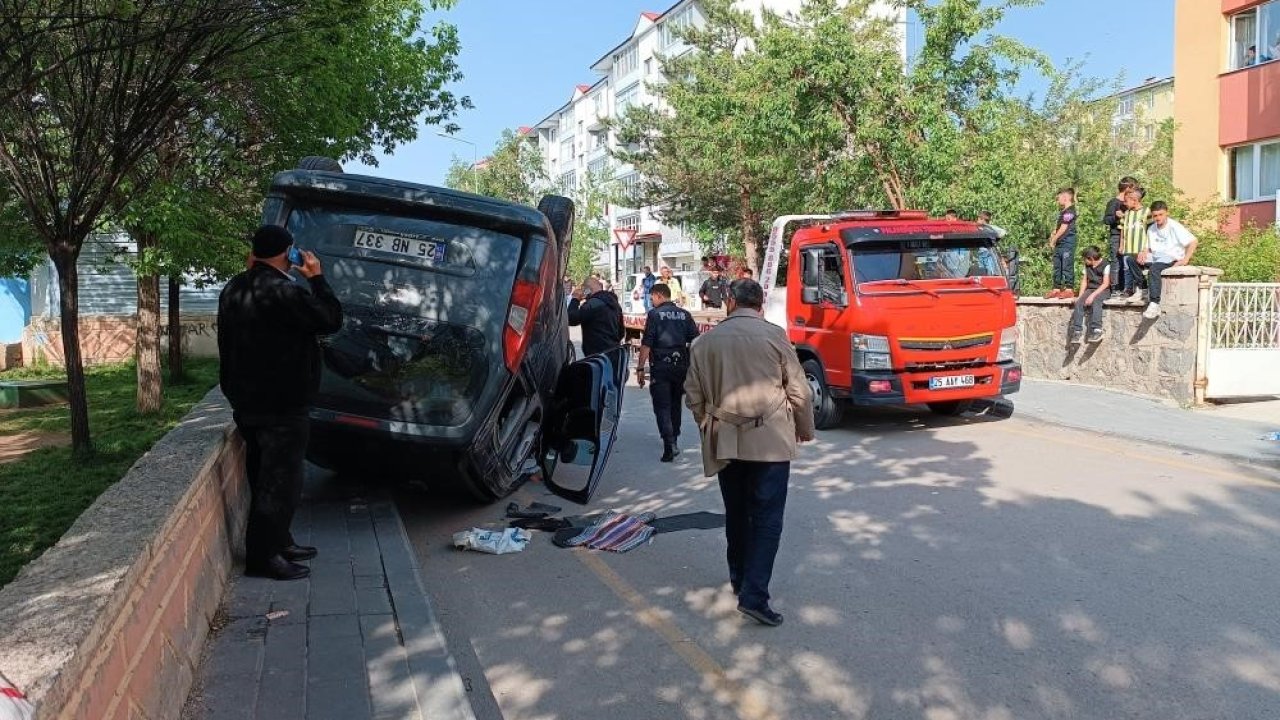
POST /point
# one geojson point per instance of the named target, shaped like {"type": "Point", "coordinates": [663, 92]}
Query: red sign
{"type": "Point", "coordinates": [624, 237]}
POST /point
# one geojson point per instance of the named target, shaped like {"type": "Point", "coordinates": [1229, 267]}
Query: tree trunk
{"type": "Point", "coordinates": [175, 330]}
{"type": "Point", "coordinates": [750, 246]}
{"type": "Point", "coordinates": [64, 259]}
{"type": "Point", "coordinates": [150, 385]}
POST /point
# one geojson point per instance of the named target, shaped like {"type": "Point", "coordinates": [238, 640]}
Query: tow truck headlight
{"type": "Point", "coordinates": [871, 352]}
{"type": "Point", "coordinates": [1008, 344]}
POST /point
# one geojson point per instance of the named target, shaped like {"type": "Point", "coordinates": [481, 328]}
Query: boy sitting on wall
{"type": "Point", "coordinates": [1095, 288]}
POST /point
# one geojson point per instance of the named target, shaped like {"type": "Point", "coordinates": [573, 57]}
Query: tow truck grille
{"type": "Point", "coordinates": [943, 366]}
{"type": "Point", "coordinates": [959, 343]}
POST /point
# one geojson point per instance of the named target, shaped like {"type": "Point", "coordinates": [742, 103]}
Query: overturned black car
{"type": "Point", "coordinates": [454, 361]}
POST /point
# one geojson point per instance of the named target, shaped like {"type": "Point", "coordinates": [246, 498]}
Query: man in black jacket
{"type": "Point", "coordinates": [270, 371]}
{"type": "Point", "coordinates": [599, 313]}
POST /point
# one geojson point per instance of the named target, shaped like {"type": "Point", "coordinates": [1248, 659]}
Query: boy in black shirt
{"type": "Point", "coordinates": [1063, 245]}
{"type": "Point", "coordinates": [1113, 219]}
{"type": "Point", "coordinates": [1095, 288]}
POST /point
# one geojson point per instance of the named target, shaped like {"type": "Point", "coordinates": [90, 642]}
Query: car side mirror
{"type": "Point", "coordinates": [843, 300]}
{"type": "Point", "coordinates": [810, 295]}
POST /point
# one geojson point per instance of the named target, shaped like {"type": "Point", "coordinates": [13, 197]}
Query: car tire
{"type": "Point", "coordinates": [827, 410]}
{"type": "Point", "coordinates": [951, 408]}
{"type": "Point", "coordinates": [321, 163]}
{"type": "Point", "coordinates": [560, 212]}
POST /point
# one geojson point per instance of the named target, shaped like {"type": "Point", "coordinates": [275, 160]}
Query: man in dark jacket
{"type": "Point", "coordinates": [664, 349]}
{"type": "Point", "coordinates": [270, 371]}
{"type": "Point", "coordinates": [599, 313]}
{"type": "Point", "coordinates": [714, 289]}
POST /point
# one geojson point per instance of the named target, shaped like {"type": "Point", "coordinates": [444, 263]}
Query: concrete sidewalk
{"type": "Point", "coordinates": [1238, 433]}
{"type": "Point", "coordinates": [356, 641]}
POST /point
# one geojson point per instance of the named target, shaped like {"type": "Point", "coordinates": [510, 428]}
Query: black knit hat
{"type": "Point", "coordinates": [271, 241]}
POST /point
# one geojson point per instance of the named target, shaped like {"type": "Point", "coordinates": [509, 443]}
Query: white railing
{"type": "Point", "coordinates": [1244, 316]}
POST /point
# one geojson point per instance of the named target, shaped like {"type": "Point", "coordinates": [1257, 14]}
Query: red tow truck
{"type": "Point", "coordinates": [893, 308]}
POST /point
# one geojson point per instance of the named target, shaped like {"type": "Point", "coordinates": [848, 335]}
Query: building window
{"type": "Point", "coordinates": [1150, 133]}
{"type": "Point", "coordinates": [668, 32]}
{"type": "Point", "coordinates": [627, 97]}
{"type": "Point", "coordinates": [1149, 102]}
{"type": "Point", "coordinates": [566, 150]}
{"type": "Point", "coordinates": [628, 222]}
{"type": "Point", "coordinates": [1255, 36]}
{"type": "Point", "coordinates": [626, 62]}
{"type": "Point", "coordinates": [598, 167]}
{"type": "Point", "coordinates": [648, 67]}
{"type": "Point", "coordinates": [1125, 107]}
{"type": "Point", "coordinates": [569, 182]}
{"type": "Point", "coordinates": [566, 123]}
{"type": "Point", "coordinates": [597, 102]}
{"type": "Point", "coordinates": [1255, 171]}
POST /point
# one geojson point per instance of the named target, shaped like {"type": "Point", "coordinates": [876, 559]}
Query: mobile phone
{"type": "Point", "coordinates": [295, 256]}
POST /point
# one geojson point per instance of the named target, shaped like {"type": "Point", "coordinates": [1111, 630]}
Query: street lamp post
{"type": "Point", "coordinates": [475, 160]}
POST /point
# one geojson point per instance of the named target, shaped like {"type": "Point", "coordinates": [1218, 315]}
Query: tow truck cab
{"type": "Point", "coordinates": [893, 307]}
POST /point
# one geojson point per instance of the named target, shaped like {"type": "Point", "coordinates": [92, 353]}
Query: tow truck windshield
{"type": "Point", "coordinates": [918, 260]}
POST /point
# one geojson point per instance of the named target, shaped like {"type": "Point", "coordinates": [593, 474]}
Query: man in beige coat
{"type": "Point", "coordinates": [753, 404]}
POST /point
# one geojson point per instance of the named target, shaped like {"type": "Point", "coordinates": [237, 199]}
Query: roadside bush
{"type": "Point", "coordinates": [1251, 256]}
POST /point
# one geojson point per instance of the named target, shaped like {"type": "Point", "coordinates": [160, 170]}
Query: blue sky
{"type": "Point", "coordinates": [522, 59]}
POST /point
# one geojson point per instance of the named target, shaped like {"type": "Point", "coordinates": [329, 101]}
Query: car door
{"type": "Point", "coordinates": [582, 424]}
{"type": "Point", "coordinates": [824, 301]}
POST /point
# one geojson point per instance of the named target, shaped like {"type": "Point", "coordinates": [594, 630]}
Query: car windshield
{"type": "Point", "coordinates": [942, 259]}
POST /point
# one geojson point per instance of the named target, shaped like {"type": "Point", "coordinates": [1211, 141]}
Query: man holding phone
{"type": "Point", "coordinates": [268, 329]}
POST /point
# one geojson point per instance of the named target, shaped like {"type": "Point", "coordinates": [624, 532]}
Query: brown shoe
{"type": "Point", "coordinates": [1067, 294]}
{"type": "Point", "coordinates": [1052, 294]}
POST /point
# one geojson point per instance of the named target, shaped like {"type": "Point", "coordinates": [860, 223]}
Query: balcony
{"type": "Point", "coordinates": [1249, 104]}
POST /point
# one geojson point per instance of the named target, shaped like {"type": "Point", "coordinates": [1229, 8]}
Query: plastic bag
{"type": "Point", "coordinates": [494, 542]}
{"type": "Point", "coordinates": [13, 704]}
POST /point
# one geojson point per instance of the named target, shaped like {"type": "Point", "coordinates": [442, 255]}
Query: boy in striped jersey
{"type": "Point", "coordinates": [1133, 240]}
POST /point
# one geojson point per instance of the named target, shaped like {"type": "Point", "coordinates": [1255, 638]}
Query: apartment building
{"type": "Point", "coordinates": [1227, 145]}
{"type": "Point", "coordinates": [575, 141]}
{"type": "Point", "coordinates": [1138, 112]}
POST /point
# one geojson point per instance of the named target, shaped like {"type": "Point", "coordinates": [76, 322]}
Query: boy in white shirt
{"type": "Point", "coordinates": [1169, 244]}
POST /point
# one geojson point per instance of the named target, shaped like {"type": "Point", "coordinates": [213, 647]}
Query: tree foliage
{"type": "Point", "coordinates": [513, 172]}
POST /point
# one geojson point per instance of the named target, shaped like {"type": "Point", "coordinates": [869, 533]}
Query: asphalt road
{"type": "Point", "coordinates": [944, 570]}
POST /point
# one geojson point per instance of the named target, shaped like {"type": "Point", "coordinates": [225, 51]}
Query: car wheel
{"type": "Point", "coordinates": [560, 212]}
{"type": "Point", "coordinates": [319, 162]}
{"type": "Point", "coordinates": [827, 411]}
{"type": "Point", "coordinates": [951, 408]}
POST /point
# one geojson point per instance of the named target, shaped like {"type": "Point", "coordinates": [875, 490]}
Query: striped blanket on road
{"type": "Point", "coordinates": [616, 532]}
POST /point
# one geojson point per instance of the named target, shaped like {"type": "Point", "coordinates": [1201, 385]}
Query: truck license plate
{"type": "Point", "coordinates": [951, 381]}
{"type": "Point", "coordinates": [431, 251]}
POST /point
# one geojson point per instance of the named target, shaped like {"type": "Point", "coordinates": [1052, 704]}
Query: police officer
{"type": "Point", "coordinates": [668, 331]}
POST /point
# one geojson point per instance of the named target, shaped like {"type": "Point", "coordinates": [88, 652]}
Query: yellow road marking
{"type": "Point", "coordinates": [727, 690]}
{"type": "Point", "coordinates": [1180, 464]}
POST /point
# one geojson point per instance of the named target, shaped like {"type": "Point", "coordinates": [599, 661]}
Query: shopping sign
{"type": "Point", "coordinates": [624, 237]}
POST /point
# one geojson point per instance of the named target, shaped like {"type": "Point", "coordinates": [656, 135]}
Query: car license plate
{"type": "Point", "coordinates": [951, 381]}
{"type": "Point", "coordinates": [412, 246]}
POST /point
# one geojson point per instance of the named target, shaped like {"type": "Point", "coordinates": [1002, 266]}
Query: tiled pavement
{"type": "Point", "coordinates": [356, 641]}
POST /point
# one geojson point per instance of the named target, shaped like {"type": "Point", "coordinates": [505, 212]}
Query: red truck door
{"type": "Point", "coordinates": [816, 320]}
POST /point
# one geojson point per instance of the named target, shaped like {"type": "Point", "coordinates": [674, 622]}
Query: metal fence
{"type": "Point", "coordinates": [1244, 316]}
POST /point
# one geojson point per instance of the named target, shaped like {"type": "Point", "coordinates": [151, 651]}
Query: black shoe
{"type": "Point", "coordinates": [1095, 335]}
{"type": "Point", "coordinates": [764, 615]}
{"type": "Point", "coordinates": [277, 568]}
{"type": "Point", "coordinates": [668, 453]}
{"type": "Point", "coordinates": [1077, 337]}
{"type": "Point", "coordinates": [298, 552]}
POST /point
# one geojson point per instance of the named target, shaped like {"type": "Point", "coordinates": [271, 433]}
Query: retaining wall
{"type": "Point", "coordinates": [111, 338]}
{"type": "Point", "coordinates": [109, 624]}
{"type": "Point", "coordinates": [1159, 358]}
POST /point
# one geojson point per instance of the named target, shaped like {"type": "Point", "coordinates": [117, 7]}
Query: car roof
{"type": "Point", "coordinates": [320, 186]}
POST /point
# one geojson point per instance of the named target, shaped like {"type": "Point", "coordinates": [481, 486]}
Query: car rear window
{"type": "Point", "coordinates": [400, 239]}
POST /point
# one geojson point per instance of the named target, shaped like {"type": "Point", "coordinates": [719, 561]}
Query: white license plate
{"type": "Point", "coordinates": [431, 251]}
{"type": "Point", "coordinates": [951, 381]}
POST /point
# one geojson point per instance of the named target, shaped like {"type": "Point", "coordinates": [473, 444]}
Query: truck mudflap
{"type": "Point", "coordinates": [902, 388]}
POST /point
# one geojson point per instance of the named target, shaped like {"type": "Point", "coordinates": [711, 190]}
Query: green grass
{"type": "Point", "coordinates": [45, 492]}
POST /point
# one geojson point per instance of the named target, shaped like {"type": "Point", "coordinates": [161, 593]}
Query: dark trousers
{"type": "Point", "coordinates": [1134, 278]}
{"type": "Point", "coordinates": [1094, 308]}
{"type": "Point", "coordinates": [666, 387]}
{"type": "Point", "coordinates": [1154, 280]}
{"type": "Point", "coordinates": [1118, 274]}
{"type": "Point", "coordinates": [755, 496]}
{"type": "Point", "coordinates": [275, 449]}
{"type": "Point", "coordinates": [1064, 265]}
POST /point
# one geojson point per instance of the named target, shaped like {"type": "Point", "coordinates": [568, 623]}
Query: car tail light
{"type": "Point", "coordinates": [1013, 376]}
{"type": "Point", "coordinates": [525, 299]}
{"type": "Point", "coordinates": [367, 423]}
{"type": "Point", "coordinates": [880, 387]}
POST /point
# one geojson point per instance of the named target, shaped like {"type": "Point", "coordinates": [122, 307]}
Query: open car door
{"type": "Point", "coordinates": [583, 423]}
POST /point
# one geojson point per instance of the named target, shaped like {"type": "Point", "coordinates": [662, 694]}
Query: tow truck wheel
{"type": "Point", "coordinates": [951, 408]}
{"type": "Point", "coordinates": [827, 411]}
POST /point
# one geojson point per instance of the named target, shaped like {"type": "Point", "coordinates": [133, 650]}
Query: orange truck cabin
{"type": "Point", "coordinates": [893, 308]}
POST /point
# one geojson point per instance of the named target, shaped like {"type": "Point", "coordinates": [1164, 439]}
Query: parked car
{"type": "Point", "coordinates": [454, 361]}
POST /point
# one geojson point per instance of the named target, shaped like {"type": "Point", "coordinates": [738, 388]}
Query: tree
{"type": "Point", "coordinates": [592, 197]}
{"type": "Point", "coordinates": [513, 172]}
{"type": "Point", "coordinates": [207, 178]}
{"type": "Point", "coordinates": [69, 139]}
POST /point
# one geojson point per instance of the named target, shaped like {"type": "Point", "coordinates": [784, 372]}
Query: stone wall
{"type": "Point", "coordinates": [1150, 357]}
{"type": "Point", "coordinates": [109, 623]}
{"type": "Point", "coordinates": [111, 338]}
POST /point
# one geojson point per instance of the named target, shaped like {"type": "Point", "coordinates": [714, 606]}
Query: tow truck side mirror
{"type": "Point", "coordinates": [811, 277]}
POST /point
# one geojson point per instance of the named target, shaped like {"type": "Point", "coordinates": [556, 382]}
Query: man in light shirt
{"type": "Point", "coordinates": [1169, 244]}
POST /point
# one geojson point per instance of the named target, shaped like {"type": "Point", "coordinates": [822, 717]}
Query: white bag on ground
{"type": "Point", "coordinates": [494, 542]}
{"type": "Point", "coordinates": [13, 704]}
